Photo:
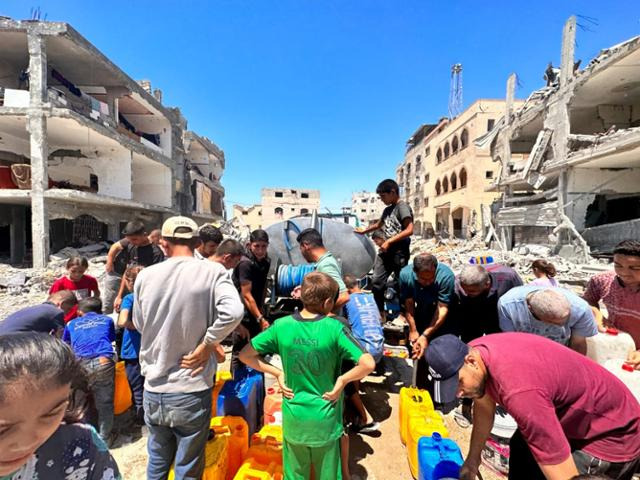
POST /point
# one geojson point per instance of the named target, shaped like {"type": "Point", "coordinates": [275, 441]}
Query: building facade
{"type": "Point", "coordinates": [85, 148]}
{"type": "Point", "coordinates": [570, 155]}
{"type": "Point", "coordinates": [444, 176]}
{"type": "Point", "coordinates": [283, 203]}
{"type": "Point", "coordinates": [250, 216]}
{"type": "Point", "coordinates": [205, 165]}
{"type": "Point", "coordinates": [366, 206]}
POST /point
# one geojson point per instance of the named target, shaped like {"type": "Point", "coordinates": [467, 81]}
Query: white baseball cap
{"type": "Point", "coordinates": [172, 224]}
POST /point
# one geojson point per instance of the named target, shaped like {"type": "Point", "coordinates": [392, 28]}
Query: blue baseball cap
{"type": "Point", "coordinates": [445, 357]}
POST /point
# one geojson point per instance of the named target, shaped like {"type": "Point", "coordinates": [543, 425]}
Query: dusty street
{"type": "Point", "coordinates": [374, 457]}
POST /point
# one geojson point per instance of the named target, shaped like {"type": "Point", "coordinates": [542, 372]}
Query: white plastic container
{"type": "Point", "coordinates": [504, 425]}
{"type": "Point", "coordinates": [611, 345]}
{"type": "Point", "coordinates": [630, 377]}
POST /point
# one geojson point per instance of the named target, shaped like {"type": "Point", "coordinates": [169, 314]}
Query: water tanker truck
{"type": "Point", "coordinates": [355, 253]}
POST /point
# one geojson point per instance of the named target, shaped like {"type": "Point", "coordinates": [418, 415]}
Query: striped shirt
{"type": "Point", "coordinates": [623, 303]}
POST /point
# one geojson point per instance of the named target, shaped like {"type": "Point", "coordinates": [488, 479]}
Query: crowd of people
{"type": "Point", "coordinates": [480, 339]}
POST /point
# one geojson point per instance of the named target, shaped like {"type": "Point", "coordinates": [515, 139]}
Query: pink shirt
{"type": "Point", "coordinates": [544, 282]}
{"type": "Point", "coordinates": [561, 400]}
{"type": "Point", "coordinates": [623, 303]}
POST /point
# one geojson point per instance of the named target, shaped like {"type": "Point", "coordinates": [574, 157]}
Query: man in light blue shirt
{"type": "Point", "coordinates": [554, 313]}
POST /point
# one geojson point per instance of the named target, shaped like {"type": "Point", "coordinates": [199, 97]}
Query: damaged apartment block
{"type": "Point", "coordinates": [84, 148]}
{"type": "Point", "coordinates": [570, 156]}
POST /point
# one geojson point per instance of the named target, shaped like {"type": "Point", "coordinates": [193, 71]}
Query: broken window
{"type": "Point", "coordinates": [464, 139]}
{"type": "Point", "coordinates": [426, 201]}
{"type": "Point", "coordinates": [426, 178]}
{"type": "Point", "coordinates": [445, 185]}
{"type": "Point", "coordinates": [454, 181]}
{"type": "Point", "coordinates": [439, 156]}
{"type": "Point", "coordinates": [81, 231]}
{"type": "Point", "coordinates": [279, 195]}
{"type": "Point", "coordinates": [418, 160]}
{"type": "Point", "coordinates": [446, 150]}
{"type": "Point", "coordinates": [612, 209]}
{"type": "Point", "coordinates": [304, 195]}
{"type": "Point", "coordinates": [427, 151]}
{"type": "Point", "coordinates": [304, 211]}
{"type": "Point", "coordinates": [490, 123]}
{"type": "Point", "coordinates": [488, 174]}
{"type": "Point", "coordinates": [278, 211]}
{"type": "Point", "coordinates": [454, 145]}
{"type": "Point", "coordinates": [463, 178]}
{"type": "Point", "coordinates": [438, 188]}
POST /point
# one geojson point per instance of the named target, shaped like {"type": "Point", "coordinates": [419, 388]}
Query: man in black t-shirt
{"type": "Point", "coordinates": [134, 249]}
{"type": "Point", "coordinates": [250, 278]}
{"type": "Point", "coordinates": [396, 224]}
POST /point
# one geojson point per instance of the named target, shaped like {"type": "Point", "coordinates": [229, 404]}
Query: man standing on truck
{"type": "Point", "coordinates": [396, 224]}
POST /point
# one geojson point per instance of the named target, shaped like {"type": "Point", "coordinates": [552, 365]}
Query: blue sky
{"type": "Point", "coordinates": [324, 94]}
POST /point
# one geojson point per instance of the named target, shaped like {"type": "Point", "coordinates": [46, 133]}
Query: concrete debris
{"type": "Point", "coordinates": [457, 253]}
{"type": "Point", "coordinates": [94, 248]}
{"type": "Point", "coordinates": [540, 251]}
{"type": "Point", "coordinates": [23, 287]}
{"type": "Point", "coordinates": [237, 229]}
{"type": "Point", "coordinates": [88, 251]}
{"type": "Point", "coordinates": [63, 254]}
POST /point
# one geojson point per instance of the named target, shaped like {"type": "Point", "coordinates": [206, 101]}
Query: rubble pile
{"type": "Point", "coordinates": [22, 287]}
{"type": "Point", "coordinates": [457, 253]}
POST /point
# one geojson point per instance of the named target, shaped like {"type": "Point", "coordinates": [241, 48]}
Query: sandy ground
{"type": "Point", "coordinates": [373, 457]}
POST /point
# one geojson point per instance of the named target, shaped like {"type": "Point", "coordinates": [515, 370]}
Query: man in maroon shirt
{"type": "Point", "coordinates": [573, 415]}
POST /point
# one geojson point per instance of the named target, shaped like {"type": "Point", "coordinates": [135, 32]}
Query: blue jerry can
{"type": "Point", "coordinates": [438, 458]}
{"type": "Point", "coordinates": [243, 397]}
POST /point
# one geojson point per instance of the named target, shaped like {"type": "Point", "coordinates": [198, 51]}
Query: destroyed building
{"type": "Point", "coordinates": [570, 156]}
{"type": "Point", "coordinates": [444, 175]}
{"type": "Point", "coordinates": [367, 206]}
{"type": "Point", "coordinates": [85, 148]}
{"type": "Point", "coordinates": [283, 203]}
{"type": "Point", "coordinates": [250, 216]}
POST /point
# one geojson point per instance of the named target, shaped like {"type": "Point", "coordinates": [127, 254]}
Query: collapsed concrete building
{"type": "Point", "coordinates": [366, 206]}
{"type": "Point", "coordinates": [570, 156]}
{"type": "Point", "coordinates": [85, 148]}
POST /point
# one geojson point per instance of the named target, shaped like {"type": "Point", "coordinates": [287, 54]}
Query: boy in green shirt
{"type": "Point", "coordinates": [312, 347]}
